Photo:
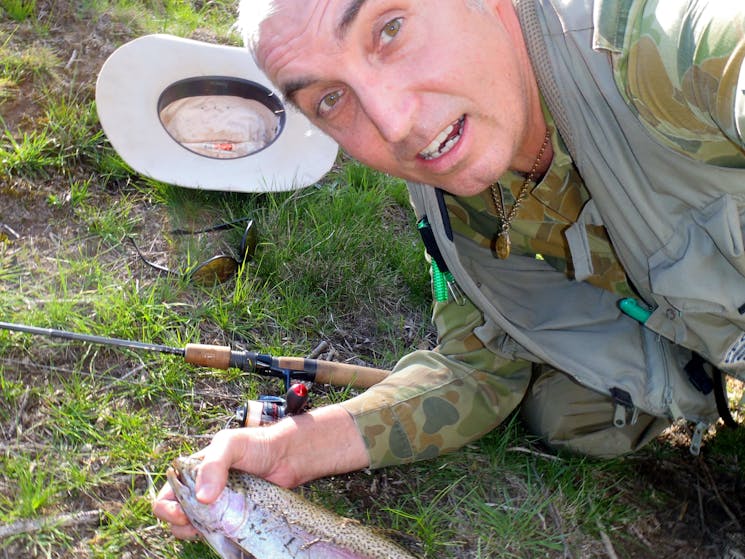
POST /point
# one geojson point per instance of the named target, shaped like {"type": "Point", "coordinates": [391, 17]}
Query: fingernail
{"type": "Point", "coordinates": [205, 493]}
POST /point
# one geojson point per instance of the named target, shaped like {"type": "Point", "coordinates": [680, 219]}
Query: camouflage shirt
{"type": "Point", "coordinates": [677, 63]}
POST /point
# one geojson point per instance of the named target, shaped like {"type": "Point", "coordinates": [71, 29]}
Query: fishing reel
{"type": "Point", "coordinates": [270, 409]}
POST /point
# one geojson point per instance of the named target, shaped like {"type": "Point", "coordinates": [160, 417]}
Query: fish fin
{"type": "Point", "coordinates": [225, 547]}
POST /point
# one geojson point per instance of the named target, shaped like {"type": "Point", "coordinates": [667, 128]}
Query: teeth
{"type": "Point", "coordinates": [443, 143]}
{"type": "Point", "coordinates": [432, 149]}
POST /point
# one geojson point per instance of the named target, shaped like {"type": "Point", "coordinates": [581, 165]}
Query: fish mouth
{"type": "Point", "coordinates": [185, 469]}
{"type": "Point", "coordinates": [445, 140]}
{"type": "Point", "coordinates": [181, 474]}
{"type": "Point", "coordinates": [173, 475]}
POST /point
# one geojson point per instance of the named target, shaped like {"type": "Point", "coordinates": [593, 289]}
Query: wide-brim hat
{"type": "Point", "coordinates": [202, 115]}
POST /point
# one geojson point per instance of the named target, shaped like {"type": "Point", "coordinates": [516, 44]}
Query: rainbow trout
{"type": "Point", "coordinates": [255, 519]}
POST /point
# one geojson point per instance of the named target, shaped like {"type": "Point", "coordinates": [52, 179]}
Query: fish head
{"type": "Point", "coordinates": [207, 519]}
{"type": "Point", "coordinates": [182, 476]}
{"type": "Point", "coordinates": [185, 468]}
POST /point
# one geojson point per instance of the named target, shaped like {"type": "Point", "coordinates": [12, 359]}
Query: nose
{"type": "Point", "coordinates": [390, 104]}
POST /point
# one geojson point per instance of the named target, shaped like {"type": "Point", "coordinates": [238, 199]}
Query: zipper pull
{"type": "Point", "coordinates": [697, 437]}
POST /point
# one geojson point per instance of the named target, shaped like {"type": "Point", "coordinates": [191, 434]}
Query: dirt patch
{"type": "Point", "coordinates": [63, 61]}
{"type": "Point", "coordinates": [701, 513]}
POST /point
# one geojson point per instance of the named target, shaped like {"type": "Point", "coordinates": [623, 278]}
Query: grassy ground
{"type": "Point", "coordinates": [86, 431]}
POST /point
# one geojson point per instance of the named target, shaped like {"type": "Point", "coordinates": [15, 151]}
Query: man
{"type": "Point", "coordinates": [559, 160]}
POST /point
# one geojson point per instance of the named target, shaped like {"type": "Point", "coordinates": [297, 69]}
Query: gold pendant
{"type": "Point", "coordinates": [503, 245]}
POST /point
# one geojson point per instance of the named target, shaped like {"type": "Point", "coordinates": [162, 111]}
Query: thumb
{"type": "Point", "coordinates": [217, 459]}
{"type": "Point", "coordinates": [211, 480]}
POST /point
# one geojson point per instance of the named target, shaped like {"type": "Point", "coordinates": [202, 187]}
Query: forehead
{"type": "Point", "coordinates": [306, 12]}
{"type": "Point", "coordinates": [295, 26]}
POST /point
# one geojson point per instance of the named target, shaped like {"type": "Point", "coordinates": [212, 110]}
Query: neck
{"type": "Point", "coordinates": [535, 129]}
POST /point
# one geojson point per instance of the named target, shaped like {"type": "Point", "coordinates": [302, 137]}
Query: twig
{"type": "Point", "coordinates": [701, 508]}
{"type": "Point", "coordinates": [713, 484]}
{"type": "Point", "coordinates": [683, 511]}
{"type": "Point", "coordinates": [606, 541]}
{"type": "Point", "coordinates": [73, 56]}
{"type": "Point", "coordinates": [18, 421]}
{"type": "Point", "coordinates": [319, 349]}
{"type": "Point", "coordinates": [142, 366]}
{"type": "Point", "coordinates": [34, 525]}
{"type": "Point", "coordinates": [150, 485]}
{"type": "Point", "coordinates": [634, 529]}
{"type": "Point", "coordinates": [536, 453]}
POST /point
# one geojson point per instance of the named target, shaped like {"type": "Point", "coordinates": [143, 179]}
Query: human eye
{"type": "Point", "coordinates": [329, 102]}
{"type": "Point", "coordinates": [390, 30]}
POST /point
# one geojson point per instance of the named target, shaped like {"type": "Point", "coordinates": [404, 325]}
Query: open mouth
{"type": "Point", "coordinates": [445, 140]}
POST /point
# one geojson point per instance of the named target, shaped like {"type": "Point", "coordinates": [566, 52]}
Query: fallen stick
{"type": "Point", "coordinates": [713, 484]}
{"type": "Point", "coordinates": [35, 524]}
{"type": "Point", "coordinates": [606, 541]}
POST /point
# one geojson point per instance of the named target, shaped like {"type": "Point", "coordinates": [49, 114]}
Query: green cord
{"type": "Point", "coordinates": [440, 283]}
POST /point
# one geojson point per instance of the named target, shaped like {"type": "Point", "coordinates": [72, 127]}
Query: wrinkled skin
{"type": "Point", "coordinates": [397, 73]}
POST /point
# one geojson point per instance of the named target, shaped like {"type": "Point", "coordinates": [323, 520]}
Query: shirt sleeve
{"type": "Point", "coordinates": [681, 68]}
{"type": "Point", "coordinates": [437, 401]}
{"type": "Point", "coordinates": [711, 58]}
{"type": "Point", "coordinates": [739, 103]}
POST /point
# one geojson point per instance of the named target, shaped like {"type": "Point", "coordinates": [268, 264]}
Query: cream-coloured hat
{"type": "Point", "coordinates": [201, 115]}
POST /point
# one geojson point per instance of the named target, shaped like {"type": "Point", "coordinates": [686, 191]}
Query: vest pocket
{"type": "Point", "coordinates": [702, 267]}
{"type": "Point", "coordinates": [698, 283]}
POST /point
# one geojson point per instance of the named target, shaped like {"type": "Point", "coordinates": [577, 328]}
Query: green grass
{"type": "Point", "coordinates": [18, 10]}
{"type": "Point", "coordinates": [89, 427]}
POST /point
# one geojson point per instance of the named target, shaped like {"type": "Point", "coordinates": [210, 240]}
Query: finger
{"type": "Point", "coordinates": [171, 512]}
{"type": "Point", "coordinates": [166, 493]}
{"type": "Point", "coordinates": [211, 478]}
{"type": "Point", "coordinates": [217, 458]}
{"type": "Point", "coordinates": [167, 508]}
{"type": "Point", "coordinates": [185, 532]}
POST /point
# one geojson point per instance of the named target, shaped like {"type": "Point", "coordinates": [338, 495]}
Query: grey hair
{"type": "Point", "coordinates": [251, 14]}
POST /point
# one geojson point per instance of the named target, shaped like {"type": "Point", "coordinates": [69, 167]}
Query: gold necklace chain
{"type": "Point", "coordinates": [503, 242]}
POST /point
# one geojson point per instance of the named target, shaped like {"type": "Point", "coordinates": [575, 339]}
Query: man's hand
{"type": "Point", "coordinates": [319, 443]}
{"type": "Point", "coordinates": [167, 508]}
{"type": "Point", "coordinates": [227, 450]}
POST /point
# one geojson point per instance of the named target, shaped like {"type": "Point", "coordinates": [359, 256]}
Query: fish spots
{"type": "Point", "coordinates": [276, 522]}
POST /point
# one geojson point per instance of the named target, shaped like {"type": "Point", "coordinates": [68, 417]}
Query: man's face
{"type": "Point", "coordinates": [427, 91]}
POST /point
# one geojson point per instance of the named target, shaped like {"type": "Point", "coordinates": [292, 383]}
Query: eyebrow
{"type": "Point", "coordinates": [348, 17]}
{"type": "Point", "coordinates": [291, 88]}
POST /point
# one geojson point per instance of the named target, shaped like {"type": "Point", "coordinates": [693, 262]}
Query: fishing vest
{"type": "Point", "coordinates": [676, 225]}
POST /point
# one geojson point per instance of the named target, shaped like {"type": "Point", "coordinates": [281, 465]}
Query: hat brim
{"type": "Point", "coordinates": [130, 85]}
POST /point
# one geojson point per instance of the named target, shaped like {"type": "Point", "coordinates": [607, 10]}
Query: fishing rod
{"type": "Point", "coordinates": [223, 357]}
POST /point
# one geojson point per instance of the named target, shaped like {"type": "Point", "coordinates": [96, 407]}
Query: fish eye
{"type": "Point", "coordinates": [390, 30]}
